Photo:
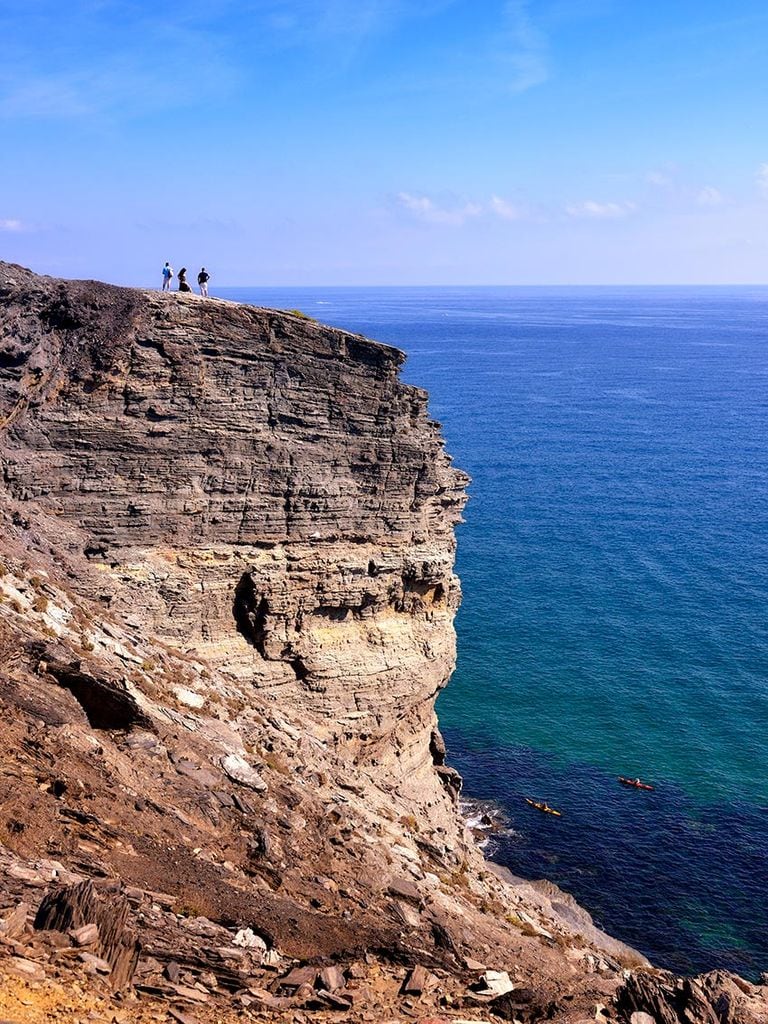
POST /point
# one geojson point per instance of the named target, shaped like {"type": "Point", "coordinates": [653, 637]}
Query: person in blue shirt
{"type": "Point", "coordinates": [167, 275]}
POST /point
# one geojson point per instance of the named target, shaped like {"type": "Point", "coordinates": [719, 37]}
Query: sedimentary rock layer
{"type": "Point", "coordinates": [226, 608]}
{"type": "Point", "coordinates": [256, 487]}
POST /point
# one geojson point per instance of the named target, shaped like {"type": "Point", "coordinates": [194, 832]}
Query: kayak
{"type": "Point", "coordinates": [635, 783]}
{"type": "Point", "coordinates": [543, 807]}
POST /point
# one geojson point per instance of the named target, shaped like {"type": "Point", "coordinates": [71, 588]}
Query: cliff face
{"type": "Point", "coordinates": [226, 608]}
{"type": "Point", "coordinates": [256, 488]}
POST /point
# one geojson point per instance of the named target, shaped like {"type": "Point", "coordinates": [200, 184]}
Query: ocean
{"type": "Point", "coordinates": [614, 563]}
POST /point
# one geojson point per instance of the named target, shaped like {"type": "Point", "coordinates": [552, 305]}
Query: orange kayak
{"type": "Point", "coordinates": [543, 807]}
{"type": "Point", "coordinates": [635, 783]}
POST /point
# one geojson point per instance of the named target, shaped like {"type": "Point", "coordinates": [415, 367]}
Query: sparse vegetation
{"type": "Point", "coordinates": [277, 764]}
{"type": "Point", "coordinates": [457, 879]}
{"type": "Point", "coordinates": [80, 617]}
{"type": "Point", "coordinates": [189, 909]}
{"type": "Point", "coordinates": [524, 927]}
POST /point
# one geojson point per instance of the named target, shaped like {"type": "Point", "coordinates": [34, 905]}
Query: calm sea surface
{"type": "Point", "coordinates": [615, 571]}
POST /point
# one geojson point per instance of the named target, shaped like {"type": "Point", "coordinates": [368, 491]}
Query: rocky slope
{"type": "Point", "coordinates": [226, 605]}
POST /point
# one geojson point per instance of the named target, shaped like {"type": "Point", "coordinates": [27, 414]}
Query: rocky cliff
{"type": "Point", "coordinates": [226, 606]}
{"type": "Point", "coordinates": [253, 488]}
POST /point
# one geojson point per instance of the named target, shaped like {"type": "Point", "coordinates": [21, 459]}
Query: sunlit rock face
{"type": "Point", "coordinates": [253, 487]}
{"type": "Point", "coordinates": [226, 608]}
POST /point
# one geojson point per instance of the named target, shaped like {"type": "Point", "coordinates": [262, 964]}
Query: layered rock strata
{"type": "Point", "coordinates": [226, 607]}
{"type": "Point", "coordinates": [254, 487]}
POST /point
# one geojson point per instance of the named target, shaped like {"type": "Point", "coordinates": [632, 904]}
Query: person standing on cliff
{"type": "Point", "coordinates": [202, 279]}
{"type": "Point", "coordinates": [167, 275]}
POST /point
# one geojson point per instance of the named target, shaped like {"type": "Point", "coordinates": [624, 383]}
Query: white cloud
{"type": "Point", "coordinates": [762, 178]}
{"type": "Point", "coordinates": [659, 179]}
{"type": "Point", "coordinates": [709, 196]}
{"type": "Point", "coordinates": [11, 224]}
{"type": "Point", "coordinates": [505, 210]}
{"type": "Point", "coordinates": [600, 211]}
{"type": "Point", "coordinates": [428, 210]}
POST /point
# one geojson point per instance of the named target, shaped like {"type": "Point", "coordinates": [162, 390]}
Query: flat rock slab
{"type": "Point", "coordinates": [24, 968]}
{"type": "Point", "coordinates": [192, 994]}
{"type": "Point", "coordinates": [96, 963]}
{"type": "Point", "coordinates": [494, 983]}
{"type": "Point", "coordinates": [335, 1000]}
{"type": "Point", "coordinates": [238, 769]}
{"type": "Point", "coordinates": [419, 980]}
{"type": "Point", "coordinates": [182, 1018]}
{"type": "Point", "coordinates": [13, 922]}
{"type": "Point", "coordinates": [405, 890]}
{"type": "Point", "coordinates": [85, 936]}
{"type": "Point", "coordinates": [299, 976]}
{"type": "Point", "coordinates": [331, 979]}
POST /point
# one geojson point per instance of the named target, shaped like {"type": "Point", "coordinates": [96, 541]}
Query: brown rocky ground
{"type": "Point", "coordinates": [226, 604]}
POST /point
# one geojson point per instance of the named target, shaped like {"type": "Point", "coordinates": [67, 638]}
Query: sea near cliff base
{"type": "Point", "coordinates": [614, 564]}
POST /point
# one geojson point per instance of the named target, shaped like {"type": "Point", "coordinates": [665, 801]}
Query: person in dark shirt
{"type": "Point", "coordinates": [202, 279]}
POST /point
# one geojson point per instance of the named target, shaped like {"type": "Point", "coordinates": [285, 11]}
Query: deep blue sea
{"type": "Point", "coordinates": [614, 564]}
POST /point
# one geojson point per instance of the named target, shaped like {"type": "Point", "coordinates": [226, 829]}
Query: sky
{"type": "Point", "coordinates": [386, 142]}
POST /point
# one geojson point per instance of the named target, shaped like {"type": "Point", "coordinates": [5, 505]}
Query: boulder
{"type": "Point", "coordinates": [238, 769]}
{"type": "Point", "coordinates": [248, 939]}
{"type": "Point", "coordinates": [402, 889]}
{"type": "Point", "coordinates": [86, 935]}
{"type": "Point", "coordinates": [14, 921]}
{"type": "Point", "coordinates": [331, 979]}
{"type": "Point", "coordinates": [418, 981]}
{"type": "Point", "coordinates": [493, 983]}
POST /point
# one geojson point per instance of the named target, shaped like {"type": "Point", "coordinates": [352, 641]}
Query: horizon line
{"type": "Point", "coordinates": [675, 284]}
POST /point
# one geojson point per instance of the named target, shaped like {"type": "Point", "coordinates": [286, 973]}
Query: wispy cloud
{"type": "Point", "coordinates": [708, 195]}
{"type": "Point", "coordinates": [590, 209]}
{"type": "Point", "coordinates": [89, 69]}
{"type": "Point", "coordinates": [506, 210]}
{"type": "Point", "coordinates": [508, 54]}
{"type": "Point", "coordinates": [298, 20]}
{"type": "Point", "coordinates": [337, 32]}
{"type": "Point", "coordinates": [762, 178]}
{"type": "Point", "coordinates": [522, 48]}
{"type": "Point", "coordinates": [424, 208]}
{"type": "Point", "coordinates": [12, 225]}
{"type": "Point", "coordinates": [658, 179]}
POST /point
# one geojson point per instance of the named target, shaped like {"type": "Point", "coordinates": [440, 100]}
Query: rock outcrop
{"type": "Point", "coordinates": [226, 607]}
{"type": "Point", "coordinates": [256, 488]}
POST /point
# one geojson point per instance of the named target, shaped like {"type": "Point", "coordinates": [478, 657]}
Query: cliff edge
{"type": "Point", "coordinates": [226, 609]}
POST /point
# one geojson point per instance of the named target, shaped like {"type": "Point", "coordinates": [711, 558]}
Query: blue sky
{"type": "Point", "coordinates": [386, 141]}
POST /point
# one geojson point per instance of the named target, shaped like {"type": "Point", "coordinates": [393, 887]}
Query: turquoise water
{"type": "Point", "coordinates": [615, 571]}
